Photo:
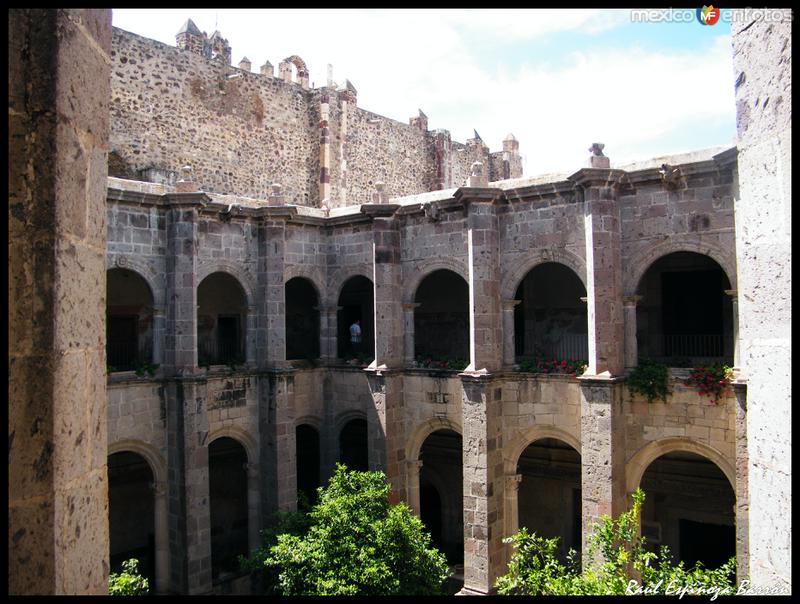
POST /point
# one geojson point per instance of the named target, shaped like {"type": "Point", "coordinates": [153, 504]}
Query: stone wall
{"type": "Point", "coordinates": [762, 56]}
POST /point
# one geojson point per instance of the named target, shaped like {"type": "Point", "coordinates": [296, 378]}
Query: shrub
{"type": "Point", "coordinates": [358, 544]}
{"type": "Point", "coordinates": [129, 582]}
{"type": "Point", "coordinates": [534, 569]}
{"type": "Point", "coordinates": [573, 367]}
{"type": "Point", "coordinates": [650, 379]}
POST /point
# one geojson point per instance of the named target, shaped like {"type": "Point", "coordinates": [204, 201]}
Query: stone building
{"type": "Point", "coordinates": [248, 220]}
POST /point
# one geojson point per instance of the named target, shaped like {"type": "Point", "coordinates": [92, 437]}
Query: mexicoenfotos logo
{"type": "Point", "coordinates": [708, 15]}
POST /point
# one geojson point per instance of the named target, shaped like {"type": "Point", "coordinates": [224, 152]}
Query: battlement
{"type": "Point", "coordinates": [242, 131]}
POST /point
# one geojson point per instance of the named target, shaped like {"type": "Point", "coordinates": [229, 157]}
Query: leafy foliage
{"type": "Point", "coordinates": [358, 544]}
{"type": "Point", "coordinates": [574, 367]}
{"type": "Point", "coordinates": [146, 367]}
{"type": "Point", "coordinates": [129, 582]}
{"type": "Point", "coordinates": [650, 379]}
{"type": "Point", "coordinates": [626, 567]}
{"type": "Point", "coordinates": [712, 381]}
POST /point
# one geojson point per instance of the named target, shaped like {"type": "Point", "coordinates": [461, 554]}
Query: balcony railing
{"type": "Point", "coordinates": [567, 346]}
{"type": "Point", "coordinates": [687, 349]}
{"type": "Point", "coordinates": [213, 352]}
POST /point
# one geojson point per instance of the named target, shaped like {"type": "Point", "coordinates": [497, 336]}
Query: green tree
{"type": "Point", "coordinates": [358, 544]}
{"type": "Point", "coordinates": [129, 582]}
{"type": "Point", "coordinates": [627, 568]}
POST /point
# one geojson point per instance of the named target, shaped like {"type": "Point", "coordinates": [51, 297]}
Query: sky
{"type": "Point", "coordinates": [559, 80]}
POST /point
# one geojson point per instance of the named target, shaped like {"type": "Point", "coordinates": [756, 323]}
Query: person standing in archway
{"type": "Point", "coordinates": [355, 337]}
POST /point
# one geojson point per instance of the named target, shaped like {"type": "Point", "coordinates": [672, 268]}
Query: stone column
{"type": "Point", "coordinates": [387, 279]}
{"type": "Point", "coordinates": [285, 468]}
{"type": "Point", "coordinates": [413, 468]}
{"type": "Point", "coordinates": [511, 510]}
{"type": "Point", "coordinates": [742, 505]}
{"type": "Point", "coordinates": [159, 326]}
{"type": "Point", "coordinates": [483, 486]}
{"type": "Point", "coordinates": [272, 275]}
{"type": "Point", "coordinates": [629, 310]}
{"type": "Point", "coordinates": [603, 269]}
{"type": "Point", "coordinates": [385, 417]}
{"type": "Point", "coordinates": [253, 506]}
{"type": "Point", "coordinates": [483, 246]}
{"type": "Point", "coordinates": [161, 530]}
{"type": "Point", "coordinates": [251, 337]}
{"type": "Point", "coordinates": [733, 294]}
{"type": "Point", "coordinates": [602, 452]}
{"type": "Point", "coordinates": [408, 336]}
{"type": "Point", "coordinates": [328, 342]}
{"type": "Point", "coordinates": [58, 125]}
{"type": "Point", "coordinates": [509, 341]}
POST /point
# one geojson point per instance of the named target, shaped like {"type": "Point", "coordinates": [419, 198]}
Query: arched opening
{"type": "Point", "coordinates": [129, 320]}
{"type": "Point", "coordinates": [227, 478]}
{"type": "Point", "coordinates": [551, 319]}
{"type": "Point", "coordinates": [689, 507]}
{"type": "Point", "coordinates": [354, 445]}
{"type": "Point", "coordinates": [441, 319]}
{"type": "Point", "coordinates": [308, 461]}
{"type": "Point", "coordinates": [302, 320]}
{"type": "Point", "coordinates": [549, 500]}
{"type": "Point", "coordinates": [684, 317]}
{"type": "Point", "coordinates": [440, 497]}
{"type": "Point", "coordinates": [356, 304]}
{"type": "Point", "coordinates": [131, 513]}
{"type": "Point", "coordinates": [221, 320]}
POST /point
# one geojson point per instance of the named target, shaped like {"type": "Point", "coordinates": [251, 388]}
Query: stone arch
{"type": "Point", "coordinates": [154, 280]}
{"type": "Point", "coordinates": [424, 268]}
{"type": "Point", "coordinates": [641, 460]}
{"type": "Point", "coordinates": [344, 417]}
{"type": "Point", "coordinates": [241, 436]}
{"type": "Point", "coordinates": [526, 437]}
{"type": "Point", "coordinates": [313, 275]}
{"type": "Point", "coordinates": [341, 276]}
{"type": "Point", "coordinates": [421, 432]}
{"type": "Point", "coordinates": [150, 454]}
{"type": "Point", "coordinates": [634, 270]}
{"type": "Point", "coordinates": [517, 273]}
{"type": "Point", "coordinates": [242, 276]}
{"type": "Point", "coordinates": [302, 70]}
{"type": "Point", "coordinates": [309, 420]}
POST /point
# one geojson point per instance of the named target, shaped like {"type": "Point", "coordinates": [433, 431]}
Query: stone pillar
{"type": "Point", "coordinates": [251, 339]}
{"type": "Point", "coordinates": [272, 276]}
{"type": "Point", "coordinates": [189, 502]}
{"type": "Point", "coordinates": [742, 506]}
{"type": "Point", "coordinates": [511, 510]}
{"type": "Point", "coordinates": [631, 346]}
{"type": "Point", "coordinates": [483, 247]}
{"type": "Point", "coordinates": [483, 484]}
{"type": "Point", "coordinates": [328, 342]}
{"type": "Point", "coordinates": [602, 453]}
{"type": "Point", "coordinates": [159, 328]}
{"type": "Point", "coordinates": [253, 506]}
{"type": "Point", "coordinates": [386, 429]}
{"type": "Point", "coordinates": [161, 530]}
{"type": "Point", "coordinates": [278, 456]}
{"type": "Point", "coordinates": [413, 467]}
{"type": "Point", "coordinates": [408, 335]}
{"type": "Point", "coordinates": [762, 50]}
{"type": "Point", "coordinates": [509, 337]}
{"type": "Point", "coordinates": [58, 120]}
{"type": "Point", "coordinates": [603, 269]}
{"type": "Point", "coordinates": [387, 279]}
{"type": "Point", "coordinates": [733, 294]}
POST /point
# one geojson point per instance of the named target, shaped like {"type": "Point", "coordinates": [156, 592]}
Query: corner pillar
{"type": "Point", "coordinates": [509, 337]}
{"type": "Point", "coordinates": [631, 346]}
